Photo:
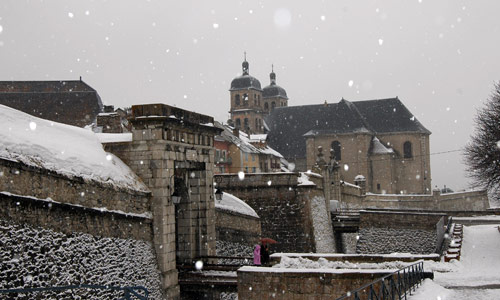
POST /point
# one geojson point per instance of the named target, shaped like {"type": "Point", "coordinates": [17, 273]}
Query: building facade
{"type": "Point", "coordinates": [378, 139]}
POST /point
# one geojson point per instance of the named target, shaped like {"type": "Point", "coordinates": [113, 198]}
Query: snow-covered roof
{"type": "Point", "coordinates": [303, 179]}
{"type": "Point", "coordinates": [64, 149]}
{"type": "Point", "coordinates": [379, 148]}
{"type": "Point", "coordinates": [232, 203]}
{"type": "Point", "coordinates": [244, 141]}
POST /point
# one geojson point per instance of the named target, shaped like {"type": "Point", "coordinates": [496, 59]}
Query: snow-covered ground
{"type": "Point", "coordinates": [475, 276]}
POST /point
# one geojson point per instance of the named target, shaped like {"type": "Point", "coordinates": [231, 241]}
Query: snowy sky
{"type": "Point", "coordinates": [439, 57]}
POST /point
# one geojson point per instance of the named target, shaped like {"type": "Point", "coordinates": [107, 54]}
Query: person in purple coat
{"type": "Point", "coordinates": [256, 255]}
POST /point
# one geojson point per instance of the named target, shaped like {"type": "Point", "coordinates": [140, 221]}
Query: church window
{"type": "Point", "coordinates": [245, 99]}
{"type": "Point", "coordinates": [237, 100]}
{"type": "Point", "coordinates": [266, 106]}
{"type": "Point", "coordinates": [378, 186]}
{"type": "Point", "coordinates": [273, 105]}
{"type": "Point", "coordinates": [337, 150]}
{"type": "Point", "coordinates": [238, 123]}
{"type": "Point", "coordinates": [407, 153]}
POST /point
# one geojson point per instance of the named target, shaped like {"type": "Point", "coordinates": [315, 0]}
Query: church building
{"type": "Point", "coordinates": [381, 140]}
{"type": "Point", "coordinates": [250, 103]}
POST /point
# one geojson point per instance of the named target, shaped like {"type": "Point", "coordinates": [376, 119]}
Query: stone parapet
{"type": "Point", "coordinates": [291, 284]}
{"type": "Point", "coordinates": [21, 179]}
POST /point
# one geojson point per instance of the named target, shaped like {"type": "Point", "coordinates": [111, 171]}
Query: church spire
{"type": "Point", "coordinates": [245, 65]}
{"type": "Point", "coordinates": [272, 76]}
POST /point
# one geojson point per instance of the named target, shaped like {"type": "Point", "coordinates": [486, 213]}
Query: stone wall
{"type": "Point", "coordinates": [461, 201]}
{"type": "Point", "coordinates": [237, 228]}
{"type": "Point", "coordinates": [20, 179]}
{"type": "Point", "coordinates": [272, 283]}
{"type": "Point", "coordinates": [32, 256]}
{"type": "Point", "coordinates": [284, 207]}
{"type": "Point", "coordinates": [388, 232]}
{"type": "Point", "coordinates": [172, 151]}
{"type": "Point", "coordinates": [67, 218]}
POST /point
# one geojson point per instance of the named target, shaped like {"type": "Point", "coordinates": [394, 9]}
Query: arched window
{"type": "Point", "coordinates": [407, 150]}
{"type": "Point", "coordinates": [257, 123]}
{"type": "Point", "coordinates": [266, 106]}
{"type": "Point", "coordinates": [245, 99]}
{"type": "Point", "coordinates": [237, 100]}
{"type": "Point", "coordinates": [245, 122]}
{"type": "Point", "coordinates": [337, 150]}
{"type": "Point", "coordinates": [273, 105]}
{"type": "Point", "coordinates": [238, 123]}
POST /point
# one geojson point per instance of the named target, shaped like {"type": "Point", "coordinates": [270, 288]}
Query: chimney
{"type": "Point", "coordinates": [236, 132]}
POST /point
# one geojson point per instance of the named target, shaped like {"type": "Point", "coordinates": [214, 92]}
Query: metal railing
{"type": "Point", "coordinates": [129, 292]}
{"type": "Point", "coordinates": [397, 285]}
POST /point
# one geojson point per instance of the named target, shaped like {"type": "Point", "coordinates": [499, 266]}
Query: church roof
{"type": "Point", "coordinates": [274, 91]}
{"type": "Point", "coordinates": [71, 102]}
{"type": "Point", "coordinates": [290, 126]}
{"type": "Point", "coordinates": [245, 81]}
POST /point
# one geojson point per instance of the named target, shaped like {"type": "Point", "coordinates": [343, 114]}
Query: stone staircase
{"type": "Point", "coordinates": [455, 247]}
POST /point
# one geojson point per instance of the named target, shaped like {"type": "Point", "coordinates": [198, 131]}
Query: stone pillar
{"type": "Point", "coordinates": [172, 149]}
{"type": "Point", "coordinates": [360, 181]}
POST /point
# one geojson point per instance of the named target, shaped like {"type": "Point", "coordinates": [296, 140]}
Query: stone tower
{"type": "Point", "coordinates": [246, 102]}
{"type": "Point", "coordinates": [273, 95]}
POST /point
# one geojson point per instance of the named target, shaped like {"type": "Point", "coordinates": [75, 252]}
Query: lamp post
{"type": "Point", "coordinates": [176, 198]}
{"type": "Point", "coordinates": [218, 195]}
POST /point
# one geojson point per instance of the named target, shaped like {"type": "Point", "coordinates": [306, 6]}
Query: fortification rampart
{"type": "Point", "coordinates": [283, 205]}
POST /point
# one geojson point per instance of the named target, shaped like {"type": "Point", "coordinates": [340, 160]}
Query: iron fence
{"type": "Point", "coordinates": [129, 292]}
{"type": "Point", "coordinates": [397, 285]}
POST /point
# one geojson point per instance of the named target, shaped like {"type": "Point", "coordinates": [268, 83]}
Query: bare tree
{"type": "Point", "coordinates": [482, 153]}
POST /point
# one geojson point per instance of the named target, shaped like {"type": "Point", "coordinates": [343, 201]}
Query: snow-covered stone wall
{"type": "Point", "coordinates": [403, 232]}
{"type": "Point", "coordinates": [32, 256]}
{"type": "Point", "coordinates": [284, 207]}
{"type": "Point", "coordinates": [237, 228]}
{"type": "Point", "coordinates": [21, 179]}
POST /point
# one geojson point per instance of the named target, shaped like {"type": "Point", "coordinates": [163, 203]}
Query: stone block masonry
{"type": "Point", "coordinates": [20, 179]}
{"type": "Point", "coordinates": [274, 283]}
{"type": "Point", "coordinates": [284, 207]}
{"type": "Point", "coordinates": [172, 152]}
{"type": "Point", "coordinates": [387, 232]}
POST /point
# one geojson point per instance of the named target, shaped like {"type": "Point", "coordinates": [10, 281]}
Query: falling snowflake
{"type": "Point", "coordinates": [351, 83]}
{"type": "Point", "coordinates": [70, 14]}
{"type": "Point", "coordinates": [198, 265]}
{"type": "Point", "coordinates": [215, 25]}
{"type": "Point", "coordinates": [241, 175]}
{"type": "Point", "coordinates": [32, 125]}
{"type": "Point", "coordinates": [380, 42]}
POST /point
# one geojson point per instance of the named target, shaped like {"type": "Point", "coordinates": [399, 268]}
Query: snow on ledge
{"type": "Point", "coordinates": [329, 271]}
{"type": "Point", "coordinates": [114, 137]}
{"type": "Point", "coordinates": [146, 215]}
{"type": "Point", "coordinates": [326, 255]}
{"type": "Point", "coordinates": [232, 203]}
{"type": "Point", "coordinates": [67, 150]}
{"type": "Point", "coordinates": [303, 180]}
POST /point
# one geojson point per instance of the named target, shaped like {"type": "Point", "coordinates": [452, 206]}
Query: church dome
{"type": "Point", "coordinates": [245, 81]}
{"type": "Point", "coordinates": [273, 90]}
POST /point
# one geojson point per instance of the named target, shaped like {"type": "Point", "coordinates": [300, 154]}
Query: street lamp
{"type": "Point", "coordinates": [218, 194]}
{"type": "Point", "coordinates": [176, 198]}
